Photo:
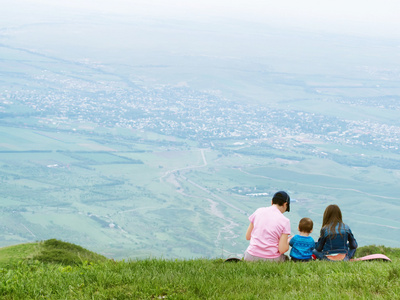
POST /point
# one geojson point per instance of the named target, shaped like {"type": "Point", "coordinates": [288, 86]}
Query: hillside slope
{"type": "Point", "coordinates": [191, 279]}
{"type": "Point", "coordinates": [49, 251]}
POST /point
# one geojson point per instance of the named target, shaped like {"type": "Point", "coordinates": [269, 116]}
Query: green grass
{"type": "Point", "coordinates": [11, 254]}
{"type": "Point", "coordinates": [192, 279]}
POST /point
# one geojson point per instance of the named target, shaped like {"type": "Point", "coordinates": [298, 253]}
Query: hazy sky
{"type": "Point", "coordinates": [371, 17]}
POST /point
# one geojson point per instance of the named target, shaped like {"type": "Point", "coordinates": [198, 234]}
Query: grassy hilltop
{"type": "Point", "coordinates": [57, 270]}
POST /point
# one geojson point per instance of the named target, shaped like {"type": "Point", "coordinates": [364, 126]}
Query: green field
{"type": "Point", "coordinates": [127, 194]}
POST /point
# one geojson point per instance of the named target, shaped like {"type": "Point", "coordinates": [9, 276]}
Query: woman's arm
{"type": "Point", "coordinates": [352, 241]}
{"type": "Point", "coordinates": [321, 241]}
{"type": "Point", "coordinates": [283, 244]}
{"type": "Point", "coordinates": [249, 230]}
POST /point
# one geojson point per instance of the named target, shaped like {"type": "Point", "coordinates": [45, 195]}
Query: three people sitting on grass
{"type": "Point", "coordinates": [269, 232]}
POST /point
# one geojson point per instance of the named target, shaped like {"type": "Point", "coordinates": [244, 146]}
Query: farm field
{"type": "Point", "coordinates": [110, 193]}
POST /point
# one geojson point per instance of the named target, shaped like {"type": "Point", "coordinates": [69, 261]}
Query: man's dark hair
{"type": "Point", "coordinates": [306, 225]}
{"type": "Point", "coordinates": [281, 198]}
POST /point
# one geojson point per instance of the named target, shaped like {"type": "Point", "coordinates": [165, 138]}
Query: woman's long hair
{"type": "Point", "coordinates": [332, 217]}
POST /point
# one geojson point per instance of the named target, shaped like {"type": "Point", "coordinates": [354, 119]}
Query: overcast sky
{"type": "Point", "coordinates": [370, 17]}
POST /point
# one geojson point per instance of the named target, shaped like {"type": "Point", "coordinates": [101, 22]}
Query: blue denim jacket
{"type": "Point", "coordinates": [341, 241]}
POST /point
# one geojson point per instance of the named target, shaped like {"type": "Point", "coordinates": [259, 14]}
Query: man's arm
{"type": "Point", "coordinates": [249, 230]}
{"type": "Point", "coordinates": [283, 244]}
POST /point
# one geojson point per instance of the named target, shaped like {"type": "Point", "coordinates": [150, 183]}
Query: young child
{"type": "Point", "coordinates": [302, 244]}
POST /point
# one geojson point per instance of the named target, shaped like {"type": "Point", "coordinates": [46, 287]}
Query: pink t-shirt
{"type": "Point", "coordinates": [269, 225]}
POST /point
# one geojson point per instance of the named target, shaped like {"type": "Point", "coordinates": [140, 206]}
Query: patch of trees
{"type": "Point", "coordinates": [360, 161]}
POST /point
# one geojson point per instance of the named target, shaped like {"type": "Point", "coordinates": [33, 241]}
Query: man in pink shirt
{"type": "Point", "coordinates": [269, 230]}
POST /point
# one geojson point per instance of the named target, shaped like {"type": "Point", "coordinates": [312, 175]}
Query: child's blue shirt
{"type": "Point", "coordinates": [302, 246]}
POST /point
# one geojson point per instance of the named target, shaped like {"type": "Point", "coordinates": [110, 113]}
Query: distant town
{"type": "Point", "coordinates": [205, 117]}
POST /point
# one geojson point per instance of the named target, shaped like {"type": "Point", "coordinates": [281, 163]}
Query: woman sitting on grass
{"type": "Point", "coordinates": [335, 236]}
